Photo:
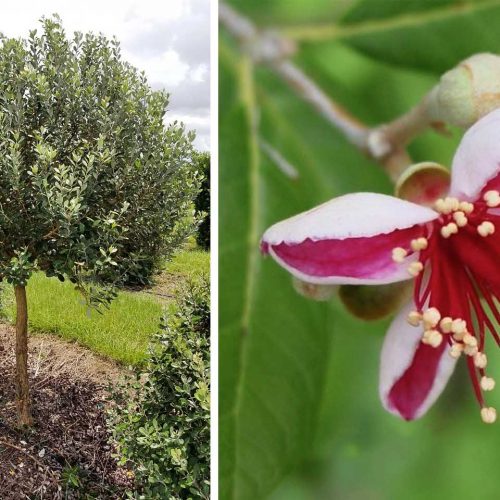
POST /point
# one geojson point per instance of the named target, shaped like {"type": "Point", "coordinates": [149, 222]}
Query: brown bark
{"type": "Point", "coordinates": [22, 381]}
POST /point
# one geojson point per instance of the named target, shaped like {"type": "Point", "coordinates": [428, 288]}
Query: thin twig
{"type": "Point", "coordinates": [267, 47]}
{"type": "Point", "coordinates": [352, 128]}
{"type": "Point", "coordinates": [18, 448]}
{"type": "Point", "coordinates": [385, 143]}
{"type": "Point", "coordinates": [280, 161]}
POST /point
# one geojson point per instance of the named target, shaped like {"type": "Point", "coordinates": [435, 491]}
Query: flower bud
{"type": "Point", "coordinates": [375, 301]}
{"type": "Point", "coordinates": [467, 92]}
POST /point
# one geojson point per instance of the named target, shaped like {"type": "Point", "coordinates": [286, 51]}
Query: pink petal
{"type": "Point", "coordinates": [477, 159]}
{"type": "Point", "coordinates": [412, 374]}
{"type": "Point", "coordinates": [348, 239]}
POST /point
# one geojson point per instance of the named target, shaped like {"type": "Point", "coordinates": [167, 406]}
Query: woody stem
{"type": "Point", "coordinates": [386, 144]}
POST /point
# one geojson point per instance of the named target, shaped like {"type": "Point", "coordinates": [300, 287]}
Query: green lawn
{"type": "Point", "coordinates": [122, 332]}
{"type": "Point", "coordinates": [189, 263]}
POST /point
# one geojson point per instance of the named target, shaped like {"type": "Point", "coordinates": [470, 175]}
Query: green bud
{"type": "Point", "coordinates": [468, 92]}
{"type": "Point", "coordinates": [375, 301]}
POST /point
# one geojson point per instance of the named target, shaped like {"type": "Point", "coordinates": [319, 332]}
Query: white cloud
{"type": "Point", "coordinates": [166, 68]}
{"type": "Point", "coordinates": [199, 73]}
{"type": "Point", "coordinates": [167, 39]}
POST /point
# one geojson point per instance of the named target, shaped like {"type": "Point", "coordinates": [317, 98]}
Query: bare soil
{"type": "Point", "coordinates": [67, 454]}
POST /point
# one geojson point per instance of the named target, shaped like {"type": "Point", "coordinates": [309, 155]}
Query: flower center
{"type": "Point", "coordinates": [457, 283]}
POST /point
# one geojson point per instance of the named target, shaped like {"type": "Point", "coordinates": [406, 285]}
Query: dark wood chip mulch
{"type": "Point", "coordinates": [67, 454]}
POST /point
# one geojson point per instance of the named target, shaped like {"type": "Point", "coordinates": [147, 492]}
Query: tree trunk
{"type": "Point", "coordinates": [22, 381]}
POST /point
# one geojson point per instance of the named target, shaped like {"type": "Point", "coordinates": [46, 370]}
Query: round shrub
{"type": "Point", "coordinates": [163, 431]}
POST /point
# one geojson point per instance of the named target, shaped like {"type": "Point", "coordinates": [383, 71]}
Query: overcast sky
{"type": "Point", "coordinates": [169, 40]}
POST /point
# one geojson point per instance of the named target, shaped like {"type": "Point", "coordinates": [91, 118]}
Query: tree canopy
{"type": "Point", "coordinates": [92, 181]}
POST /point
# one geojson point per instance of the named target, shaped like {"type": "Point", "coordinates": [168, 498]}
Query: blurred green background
{"type": "Point", "coordinates": [299, 411]}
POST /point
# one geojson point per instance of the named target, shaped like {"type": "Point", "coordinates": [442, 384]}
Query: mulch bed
{"type": "Point", "coordinates": [67, 454]}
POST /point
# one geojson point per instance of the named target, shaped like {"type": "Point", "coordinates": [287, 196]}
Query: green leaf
{"type": "Point", "coordinates": [274, 344]}
{"type": "Point", "coordinates": [421, 35]}
{"type": "Point", "coordinates": [270, 379]}
{"type": "Point", "coordinates": [266, 12]}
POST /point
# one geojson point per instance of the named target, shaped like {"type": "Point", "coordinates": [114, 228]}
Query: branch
{"type": "Point", "coordinates": [280, 161]}
{"type": "Point", "coordinates": [26, 453]}
{"type": "Point", "coordinates": [385, 143]}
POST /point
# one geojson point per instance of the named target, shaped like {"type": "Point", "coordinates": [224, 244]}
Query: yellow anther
{"type": "Point", "coordinates": [419, 244]}
{"type": "Point", "coordinates": [480, 360]}
{"type": "Point", "coordinates": [470, 340]}
{"type": "Point", "coordinates": [458, 328]}
{"type": "Point", "coordinates": [435, 339]}
{"type": "Point", "coordinates": [492, 198]}
{"type": "Point", "coordinates": [486, 228]}
{"type": "Point", "coordinates": [447, 208]}
{"type": "Point", "coordinates": [445, 324]}
{"type": "Point", "coordinates": [460, 219]}
{"type": "Point", "coordinates": [456, 350]}
{"type": "Point", "coordinates": [443, 206]}
{"type": "Point", "coordinates": [489, 415]}
{"type": "Point", "coordinates": [451, 204]}
{"type": "Point", "coordinates": [487, 384]}
{"type": "Point", "coordinates": [439, 205]}
{"type": "Point", "coordinates": [399, 254]}
{"type": "Point", "coordinates": [415, 268]}
{"type": "Point", "coordinates": [432, 338]}
{"type": "Point", "coordinates": [466, 207]}
{"type": "Point", "coordinates": [470, 350]}
{"type": "Point", "coordinates": [449, 229]}
{"type": "Point", "coordinates": [414, 318]}
{"type": "Point", "coordinates": [431, 317]}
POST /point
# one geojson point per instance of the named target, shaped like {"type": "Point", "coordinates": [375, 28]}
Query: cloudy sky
{"type": "Point", "coordinates": [169, 40]}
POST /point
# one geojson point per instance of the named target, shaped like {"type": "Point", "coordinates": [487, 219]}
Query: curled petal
{"type": "Point", "coordinates": [412, 374]}
{"type": "Point", "coordinates": [477, 160]}
{"type": "Point", "coordinates": [423, 183]}
{"type": "Point", "coordinates": [348, 240]}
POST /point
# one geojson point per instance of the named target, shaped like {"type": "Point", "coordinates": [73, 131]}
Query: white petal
{"type": "Point", "coordinates": [350, 216]}
{"type": "Point", "coordinates": [398, 352]}
{"type": "Point", "coordinates": [477, 159]}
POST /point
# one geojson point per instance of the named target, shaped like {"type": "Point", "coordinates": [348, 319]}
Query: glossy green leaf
{"type": "Point", "coordinates": [270, 380]}
{"type": "Point", "coordinates": [416, 34]}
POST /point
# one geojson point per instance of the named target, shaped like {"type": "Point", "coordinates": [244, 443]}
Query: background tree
{"type": "Point", "coordinates": [92, 183]}
{"type": "Point", "coordinates": [202, 202]}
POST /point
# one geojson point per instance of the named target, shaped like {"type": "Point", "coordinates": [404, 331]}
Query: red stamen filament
{"type": "Point", "coordinates": [457, 278]}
